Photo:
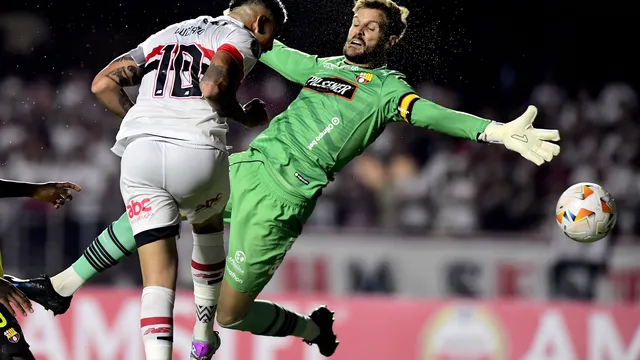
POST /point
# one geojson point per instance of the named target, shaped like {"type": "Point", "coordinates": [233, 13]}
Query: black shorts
{"type": "Point", "coordinates": [12, 342]}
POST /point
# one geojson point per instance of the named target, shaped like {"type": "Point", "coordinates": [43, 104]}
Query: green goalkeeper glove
{"type": "Point", "coordinates": [520, 136]}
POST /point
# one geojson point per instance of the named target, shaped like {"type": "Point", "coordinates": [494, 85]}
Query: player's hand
{"type": "Point", "coordinates": [11, 297]}
{"type": "Point", "coordinates": [55, 193]}
{"type": "Point", "coordinates": [520, 136]}
{"type": "Point", "coordinates": [257, 112]}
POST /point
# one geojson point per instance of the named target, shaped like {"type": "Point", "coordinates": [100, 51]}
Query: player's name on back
{"type": "Point", "coordinates": [189, 30]}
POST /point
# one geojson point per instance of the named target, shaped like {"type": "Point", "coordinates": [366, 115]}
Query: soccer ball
{"type": "Point", "coordinates": [586, 212]}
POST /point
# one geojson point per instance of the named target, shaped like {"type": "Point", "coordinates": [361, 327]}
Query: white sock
{"type": "Point", "coordinates": [156, 322]}
{"type": "Point", "coordinates": [207, 270]}
{"type": "Point", "coordinates": [67, 282]}
{"type": "Point", "coordinates": [311, 331]}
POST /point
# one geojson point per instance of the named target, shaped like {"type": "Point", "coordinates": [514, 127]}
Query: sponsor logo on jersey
{"type": "Point", "coordinates": [340, 67]}
{"type": "Point", "coordinates": [209, 203]}
{"type": "Point", "coordinates": [158, 330]}
{"type": "Point", "coordinates": [364, 77]}
{"type": "Point", "coordinates": [334, 122]}
{"type": "Point", "coordinates": [139, 210]}
{"type": "Point", "coordinates": [332, 86]}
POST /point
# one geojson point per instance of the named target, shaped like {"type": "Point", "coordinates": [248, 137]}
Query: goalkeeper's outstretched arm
{"type": "Point", "coordinates": [518, 135]}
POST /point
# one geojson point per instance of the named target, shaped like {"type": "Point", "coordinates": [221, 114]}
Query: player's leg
{"type": "Point", "coordinates": [155, 222]}
{"type": "Point", "coordinates": [207, 270]}
{"type": "Point", "coordinates": [115, 242]}
{"type": "Point", "coordinates": [204, 209]}
{"type": "Point", "coordinates": [108, 249]}
{"type": "Point", "coordinates": [111, 247]}
{"type": "Point", "coordinates": [13, 345]}
{"type": "Point", "coordinates": [266, 225]}
{"type": "Point", "coordinates": [158, 263]}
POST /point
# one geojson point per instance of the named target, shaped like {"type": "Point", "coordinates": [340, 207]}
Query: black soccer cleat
{"type": "Point", "coordinates": [327, 340]}
{"type": "Point", "coordinates": [41, 290]}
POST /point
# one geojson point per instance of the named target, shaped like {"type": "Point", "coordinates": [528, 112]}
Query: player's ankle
{"type": "Point", "coordinates": [67, 282]}
{"type": "Point", "coordinates": [204, 333]}
{"type": "Point", "coordinates": [310, 331]}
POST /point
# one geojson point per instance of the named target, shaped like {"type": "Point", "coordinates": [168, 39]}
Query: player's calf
{"type": "Point", "coordinates": [240, 311]}
{"type": "Point", "coordinates": [233, 306]}
{"type": "Point", "coordinates": [207, 270]}
{"type": "Point", "coordinates": [159, 265]}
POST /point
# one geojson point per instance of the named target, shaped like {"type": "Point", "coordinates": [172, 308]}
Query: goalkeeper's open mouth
{"type": "Point", "coordinates": [357, 43]}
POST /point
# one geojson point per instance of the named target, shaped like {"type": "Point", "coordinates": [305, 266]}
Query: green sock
{"type": "Point", "coordinates": [270, 319]}
{"type": "Point", "coordinates": [110, 248]}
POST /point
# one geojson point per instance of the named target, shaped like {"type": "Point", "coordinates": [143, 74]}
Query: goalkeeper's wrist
{"type": "Point", "coordinates": [493, 133]}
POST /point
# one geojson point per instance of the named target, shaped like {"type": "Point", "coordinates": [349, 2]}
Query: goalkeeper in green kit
{"type": "Point", "coordinates": [345, 104]}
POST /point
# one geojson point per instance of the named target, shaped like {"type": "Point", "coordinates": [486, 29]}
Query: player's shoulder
{"type": "Point", "coordinates": [229, 25]}
{"type": "Point", "coordinates": [189, 27]}
{"type": "Point", "coordinates": [392, 77]}
{"type": "Point", "coordinates": [230, 30]}
{"type": "Point", "coordinates": [391, 74]}
{"type": "Point", "coordinates": [205, 23]}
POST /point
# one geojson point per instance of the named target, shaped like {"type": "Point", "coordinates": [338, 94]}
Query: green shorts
{"type": "Point", "coordinates": [265, 221]}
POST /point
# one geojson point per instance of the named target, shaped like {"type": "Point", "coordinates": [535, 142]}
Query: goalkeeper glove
{"type": "Point", "coordinates": [520, 136]}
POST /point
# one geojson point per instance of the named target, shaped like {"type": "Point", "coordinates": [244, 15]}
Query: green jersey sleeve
{"type": "Point", "coordinates": [294, 65]}
{"type": "Point", "coordinates": [403, 104]}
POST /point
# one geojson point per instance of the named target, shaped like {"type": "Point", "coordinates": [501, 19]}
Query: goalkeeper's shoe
{"type": "Point", "coordinates": [41, 290]}
{"type": "Point", "coordinates": [201, 350]}
{"type": "Point", "coordinates": [327, 341]}
{"type": "Point", "coordinates": [520, 136]}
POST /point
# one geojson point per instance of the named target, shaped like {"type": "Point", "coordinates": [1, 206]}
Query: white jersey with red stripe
{"type": "Point", "coordinates": [170, 104]}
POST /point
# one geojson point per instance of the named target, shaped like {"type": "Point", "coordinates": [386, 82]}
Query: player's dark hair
{"type": "Point", "coordinates": [396, 14]}
{"type": "Point", "coordinates": [275, 7]}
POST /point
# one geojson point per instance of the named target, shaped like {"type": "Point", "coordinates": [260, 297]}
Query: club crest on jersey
{"type": "Point", "coordinates": [364, 77]}
{"type": "Point", "coordinates": [332, 86]}
{"type": "Point", "coordinates": [12, 335]}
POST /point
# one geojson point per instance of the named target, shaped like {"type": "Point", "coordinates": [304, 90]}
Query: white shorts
{"type": "Point", "coordinates": [159, 179]}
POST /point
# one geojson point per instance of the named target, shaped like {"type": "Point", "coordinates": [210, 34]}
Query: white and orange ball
{"type": "Point", "coordinates": [586, 212]}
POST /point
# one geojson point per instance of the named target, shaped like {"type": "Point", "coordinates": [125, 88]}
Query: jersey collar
{"type": "Point", "coordinates": [344, 62]}
{"type": "Point", "coordinates": [235, 21]}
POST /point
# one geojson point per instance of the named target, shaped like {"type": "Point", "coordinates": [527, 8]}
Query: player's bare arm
{"type": "Point", "coordinates": [109, 84]}
{"type": "Point", "coordinates": [218, 87]}
{"type": "Point", "coordinates": [55, 193]}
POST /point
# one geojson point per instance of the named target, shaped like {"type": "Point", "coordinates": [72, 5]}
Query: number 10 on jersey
{"type": "Point", "coordinates": [184, 61]}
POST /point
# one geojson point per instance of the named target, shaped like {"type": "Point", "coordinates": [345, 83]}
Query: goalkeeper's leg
{"type": "Point", "coordinates": [110, 248]}
{"type": "Point", "coordinates": [249, 269]}
{"type": "Point", "coordinates": [267, 225]}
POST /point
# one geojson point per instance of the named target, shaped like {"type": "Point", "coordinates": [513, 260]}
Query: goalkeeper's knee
{"type": "Point", "coordinates": [231, 321]}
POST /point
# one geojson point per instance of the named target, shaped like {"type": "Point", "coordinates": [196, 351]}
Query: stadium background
{"type": "Point", "coordinates": [430, 246]}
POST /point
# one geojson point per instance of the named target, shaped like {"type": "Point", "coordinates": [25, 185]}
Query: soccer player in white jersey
{"type": "Point", "coordinates": [174, 153]}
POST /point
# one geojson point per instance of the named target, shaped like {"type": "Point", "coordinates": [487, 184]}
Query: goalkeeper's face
{"type": "Point", "coordinates": [367, 42]}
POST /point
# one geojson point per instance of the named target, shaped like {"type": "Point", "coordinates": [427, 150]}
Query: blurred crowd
{"type": "Point", "coordinates": [410, 181]}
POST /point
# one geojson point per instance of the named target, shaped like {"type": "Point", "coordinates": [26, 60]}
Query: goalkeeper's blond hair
{"type": "Point", "coordinates": [396, 14]}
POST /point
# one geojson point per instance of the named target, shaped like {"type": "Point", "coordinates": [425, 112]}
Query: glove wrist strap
{"type": "Point", "coordinates": [492, 133]}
